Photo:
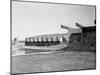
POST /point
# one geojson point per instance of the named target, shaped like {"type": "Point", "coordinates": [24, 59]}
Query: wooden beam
{"type": "Point", "coordinates": [65, 27]}
{"type": "Point", "coordinates": [79, 25]}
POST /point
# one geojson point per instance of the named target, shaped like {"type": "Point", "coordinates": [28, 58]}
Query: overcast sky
{"type": "Point", "coordinates": [30, 19]}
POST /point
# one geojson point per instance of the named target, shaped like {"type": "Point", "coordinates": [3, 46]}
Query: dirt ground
{"type": "Point", "coordinates": [57, 61]}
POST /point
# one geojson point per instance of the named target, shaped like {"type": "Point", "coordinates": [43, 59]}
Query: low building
{"type": "Point", "coordinates": [85, 41]}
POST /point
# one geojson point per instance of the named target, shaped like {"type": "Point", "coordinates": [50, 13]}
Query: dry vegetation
{"type": "Point", "coordinates": [57, 61]}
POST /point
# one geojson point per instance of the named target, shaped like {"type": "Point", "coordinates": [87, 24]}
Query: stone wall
{"type": "Point", "coordinates": [83, 41]}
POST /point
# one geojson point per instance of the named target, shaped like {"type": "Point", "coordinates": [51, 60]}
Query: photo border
{"type": "Point", "coordinates": [47, 3]}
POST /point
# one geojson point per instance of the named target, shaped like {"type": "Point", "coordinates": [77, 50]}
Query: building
{"type": "Point", "coordinates": [84, 41]}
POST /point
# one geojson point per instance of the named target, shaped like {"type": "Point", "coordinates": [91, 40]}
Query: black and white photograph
{"type": "Point", "coordinates": [52, 37]}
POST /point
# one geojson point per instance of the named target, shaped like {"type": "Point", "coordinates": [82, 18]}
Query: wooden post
{"type": "Point", "coordinates": [33, 40]}
{"type": "Point", "coordinates": [46, 39]}
{"type": "Point", "coordinates": [51, 39]}
{"type": "Point", "coordinates": [37, 39]}
{"type": "Point", "coordinates": [57, 39]}
{"type": "Point", "coordinates": [41, 39]}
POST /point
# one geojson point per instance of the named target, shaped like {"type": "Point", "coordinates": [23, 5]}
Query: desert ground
{"type": "Point", "coordinates": [53, 61]}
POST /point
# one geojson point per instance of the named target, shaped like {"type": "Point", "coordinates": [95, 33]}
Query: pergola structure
{"type": "Point", "coordinates": [31, 41]}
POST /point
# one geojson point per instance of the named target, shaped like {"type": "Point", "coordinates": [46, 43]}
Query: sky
{"type": "Point", "coordinates": [32, 19]}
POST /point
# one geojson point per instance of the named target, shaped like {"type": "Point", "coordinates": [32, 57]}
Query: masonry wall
{"type": "Point", "coordinates": [83, 42]}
